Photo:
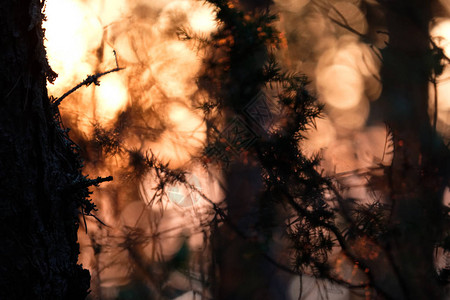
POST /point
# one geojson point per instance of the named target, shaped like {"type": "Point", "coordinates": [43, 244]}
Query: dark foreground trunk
{"type": "Point", "coordinates": [38, 205]}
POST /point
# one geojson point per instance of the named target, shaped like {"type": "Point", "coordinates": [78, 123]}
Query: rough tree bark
{"type": "Point", "coordinates": [41, 185]}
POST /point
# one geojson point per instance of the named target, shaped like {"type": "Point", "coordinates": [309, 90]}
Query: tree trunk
{"type": "Point", "coordinates": [244, 273]}
{"type": "Point", "coordinates": [418, 173]}
{"type": "Point", "coordinates": [241, 251]}
{"type": "Point", "coordinates": [38, 167]}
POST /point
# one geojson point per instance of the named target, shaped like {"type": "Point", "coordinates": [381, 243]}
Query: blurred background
{"type": "Point", "coordinates": [155, 245]}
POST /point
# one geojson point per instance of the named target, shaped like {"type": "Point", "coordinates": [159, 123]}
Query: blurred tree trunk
{"type": "Point", "coordinates": [419, 170]}
{"type": "Point", "coordinates": [242, 270]}
{"type": "Point", "coordinates": [38, 215]}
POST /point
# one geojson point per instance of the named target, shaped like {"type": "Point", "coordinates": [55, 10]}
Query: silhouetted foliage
{"type": "Point", "coordinates": [276, 197]}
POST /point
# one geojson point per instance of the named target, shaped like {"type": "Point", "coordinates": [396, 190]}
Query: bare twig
{"type": "Point", "coordinates": [115, 58]}
{"type": "Point", "coordinates": [88, 81]}
{"type": "Point", "coordinates": [95, 217]}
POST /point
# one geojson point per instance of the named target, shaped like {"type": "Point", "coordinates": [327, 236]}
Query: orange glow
{"type": "Point", "coordinates": [365, 149]}
{"type": "Point", "coordinates": [351, 119]}
{"type": "Point", "coordinates": [174, 67]}
{"type": "Point", "coordinates": [441, 34]}
{"type": "Point", "coordinates": [366, 248]}
{"type": "Point", "coordinates": [346, 72]}
{"type": "Point", "coordinates": [69, 37]}
{"type": "Point", "coordinates": [184, 137]}
{"type": "Point", "coordinates": [74, 40]}
{"type": "Point", "coordinates": [348, 270]}
{"type": "Point", "coordinates": [109, 11]}
{"type": "Point", "coordinates": [348, 13]}
{"type": "Point", "coordinates": [158, 86]}
{"type": "Point", "coordinates": [445, 4]}
{"type": "Point", "coordinates": [202, 20]}
{"type": "Point", "coordinates": [292, 5]}
{"type": "Point", "coordinates": [346, 79]}
{"type": "Point", "coordinates": [111, 97]}
{"type": "Point", "coordinates": [340, 86]}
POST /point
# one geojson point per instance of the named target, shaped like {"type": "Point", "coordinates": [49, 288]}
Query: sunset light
{"type": "Point", "coordinates": [247, 134]}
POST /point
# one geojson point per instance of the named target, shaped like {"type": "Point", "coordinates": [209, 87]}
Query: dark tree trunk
{"type": "Point", "coordinates": [38, 167]}
{"type": "Point", "coordinates": [241, 265]}
{"type": "Point", "coordinates": [419, 170]}
{"type": "Point", "coordinates": [244, 272]}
